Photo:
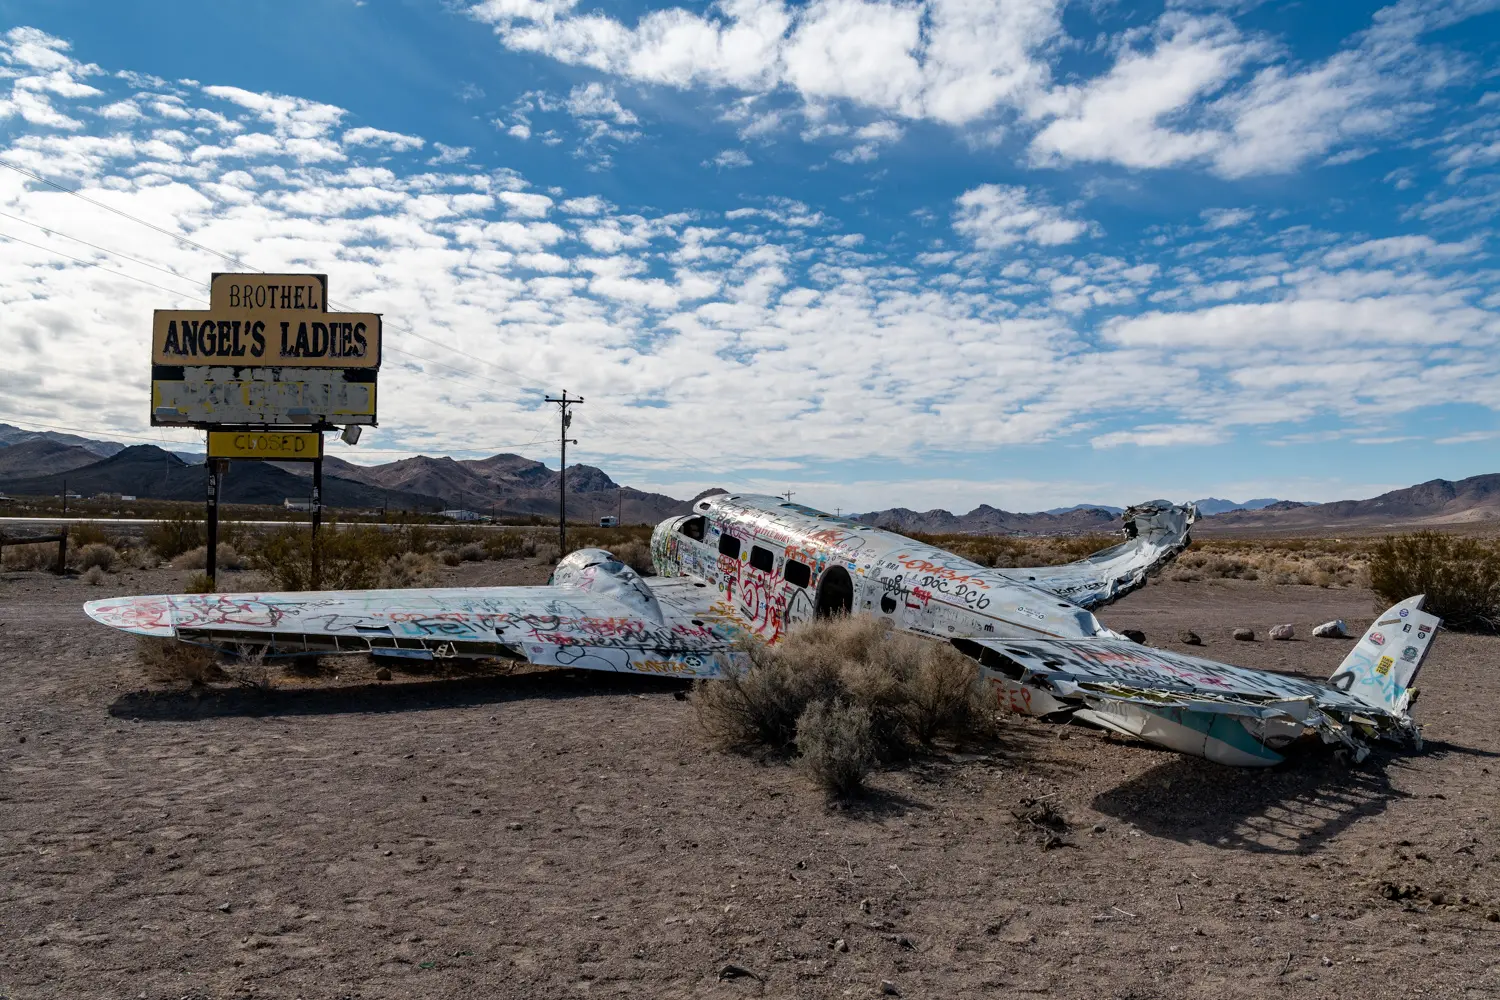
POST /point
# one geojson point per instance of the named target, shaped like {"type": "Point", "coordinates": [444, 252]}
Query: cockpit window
{"type": "Point", "coordinates": [729, 546]}
{"type": "Point", "coordinates": [761, 558]}
{"type": "Point", "coordinates": [693, 527]}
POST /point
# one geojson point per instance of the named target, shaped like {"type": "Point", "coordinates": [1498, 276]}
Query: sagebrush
{"type": "Point", "coordinates": [835, 746]}
{"type": "Point", "coordinates": [1459, 575]}
{"type": "Point", "coordinates": [911, 690]}
{"type": "Point", "coordinates": [167, 661]}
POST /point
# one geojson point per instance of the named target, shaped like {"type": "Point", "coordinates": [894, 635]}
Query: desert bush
{"type": "Point", "coordinates": [94, 576]}
{"type": "Point", "coordinates": [449, 557]}
{"type": "Point", "coordinates": [834, 745]}
{"type": "Point", "coordinates": [1460, 576]}
{"type": "Point", "coordinates": [473, 552]}
{"type": "Point", "coordinates": [510, 544]}
{"type": "Point", "coordinates": [97, 555]}
{"type": "Point", "coordinates": [228, 558]}
{"type": "Point", "coordinates": [199, 583]}
{"type": "Point", "coordinates": [167, 660]}
{"type": "Point", "coordinates": [87, 533]}
{"type": "Point", "coordinates": [911, 690]}
{"type": "Point", "coordinates": [637, 555]}
{"type": "Point", "coordinates": [548, 554]}
{"type": "Point", "coordinates": [179, 532]}
{"type": "Point", "coordinates": [758, 707]}
{"type": "Point", "coordinates": [1308, 562]}
{"type": "Point", "coordinates": [1016, 550]}
{"type": "Point", "coordinates": [349, 558]}
{"type": "Point", "coordinates": [39, 556]}
{"type": "Point", "coordinates": [409, 569]}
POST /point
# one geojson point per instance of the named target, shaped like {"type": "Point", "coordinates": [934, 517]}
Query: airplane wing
{"type": "Point", "coordinates": [1155, 534]}
{"type": "Point", "coordinates": [596, 615]}
{"type": "Point", "coordinates": [1226, 713]}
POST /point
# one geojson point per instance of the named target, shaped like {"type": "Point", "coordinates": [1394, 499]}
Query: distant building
{"type": "Point", "coordinates": [291, 504]}
{"type": "Point", "coordinates": [609, 521]}
{"type": "Point", "coordinates": [461, 515]}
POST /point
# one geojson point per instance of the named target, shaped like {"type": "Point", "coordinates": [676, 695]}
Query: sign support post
{"type": "Point", "coordinates": [317, 519]}
{"type": "Point", "coordinates": [211, 556]}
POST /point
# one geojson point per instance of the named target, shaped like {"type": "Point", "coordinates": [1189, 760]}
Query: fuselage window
{"type": "Point", "coordinates": [761, 558]}
{"type": "Point", "coordinates": [729, 546]}
{"type": "Point", "coordinates": [693, 528]}
{"type": "Point", "coordinates": [796, 573]}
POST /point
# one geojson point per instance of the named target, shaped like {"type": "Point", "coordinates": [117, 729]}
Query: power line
{"type": "Point", "coordinates": [123, 256]}
{"type": "Point", "coordinates": [123, 214]}
{"type": "Point", "coordinates": [95, 263]}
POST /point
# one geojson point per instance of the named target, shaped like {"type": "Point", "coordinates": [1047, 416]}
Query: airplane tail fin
{"type": "Point", "coordinates": [1383, 665]}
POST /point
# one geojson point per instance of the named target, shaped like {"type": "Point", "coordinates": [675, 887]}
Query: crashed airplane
{"type": "Point", "coordinates": [746, 566]}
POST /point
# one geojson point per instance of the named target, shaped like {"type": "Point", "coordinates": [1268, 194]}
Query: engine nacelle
{"type": "Point", "coordinates": [599, 572]}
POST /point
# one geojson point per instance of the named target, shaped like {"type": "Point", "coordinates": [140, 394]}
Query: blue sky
{"type": "Point", "coordinates": [927, 254]}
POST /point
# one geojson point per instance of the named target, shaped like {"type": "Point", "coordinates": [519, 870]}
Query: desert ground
{"type": "Point", "coordinates": [561, 835]}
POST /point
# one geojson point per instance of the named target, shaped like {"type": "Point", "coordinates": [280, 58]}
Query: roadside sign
{"type": "Point", "coordinates": [266, 397]}
{"type": "Point", "coordinates": [266, 320]}
{"type": "Point", "coordinates": [268, 445]}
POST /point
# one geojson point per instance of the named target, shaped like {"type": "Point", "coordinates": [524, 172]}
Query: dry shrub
{"type": "Point", "coordinates": [97, 555]}
{"type": "Point", "coordinates": [38, 556]}
{"type": "Point", "coordinates": [87, 533]}
{"type": "Point", "coordinates": [1016, 550]}
{"type": "Point", "coordinates": [1307, 562]}
{"type": "Point", "coordinates": [167, 661]}
{"type": "Point", "coordinates": [911, 690]}
{"type": "Point", "coordinates": [473, 552]}
{"type": "Point", "coordinates": [450, 557]}
{"type": "Point", "coordinates": [835, 746]}
{"type": "Point", "coordinates": [409, 569]}
{"type": "Point", "coordinates": [94, 576]}
{"type": "Point", "coordinates": [637, 555]}
{"type": "Point", "coordinates": [510, 544]}
{"type": "Point", "coordinates": [1460, 576]}
{"type": "Point", "coordinates": [199, 583]}
{"type": "Point", "coordinates": [548, 554]}
{"type": "Point", "coordinates": [177, 533]}
{"type": "Point", "coordinates": [228, 558]}
{"type": "Point", "coordinates": [349, 558]}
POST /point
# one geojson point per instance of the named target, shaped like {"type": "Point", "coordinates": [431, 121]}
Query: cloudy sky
{"type": "Point", "coordinates": [919, 253]}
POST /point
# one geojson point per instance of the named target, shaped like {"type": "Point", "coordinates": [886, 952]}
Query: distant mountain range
{"type": "Point", "coordinates": [39, 462]}
{"type": "Point", "coordinates": [45, 464]}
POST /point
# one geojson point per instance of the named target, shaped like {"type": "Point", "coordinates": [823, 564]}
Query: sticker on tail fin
{"type": "Point", "coordinates": [1382, 666]}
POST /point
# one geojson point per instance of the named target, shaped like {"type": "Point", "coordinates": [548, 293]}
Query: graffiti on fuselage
{"type": "Point", "coordinates": [916, 586]}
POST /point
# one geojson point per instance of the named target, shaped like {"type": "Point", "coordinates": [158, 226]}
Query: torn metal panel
{"type": "Point", "coordinates": [262, 397]}
{"type": "Point", "coordinates": [1155, 534]}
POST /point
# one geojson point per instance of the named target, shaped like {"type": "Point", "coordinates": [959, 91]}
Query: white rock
{"type": "Point", "coordinates": [1335, 629]}
{"type": "Point", "coordinates": [1282, 632]}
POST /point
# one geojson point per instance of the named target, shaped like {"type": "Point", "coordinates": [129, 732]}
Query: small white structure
{"type": "Point", "coordinates": [609, 522]}
{"type": "Point", "coordinates": [461, 515]}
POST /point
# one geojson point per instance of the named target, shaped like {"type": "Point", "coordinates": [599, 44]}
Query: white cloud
{"type": "Point", "coordinates": [730, 159]}
{"type": "Point", "coordinates": [531, 206]}
{"type": "Point", "coordinates": [1161, 436]}
{"type": "Point", "coordinates": [993, 216]}
{"type": "Point", "coordinates": [449, 154]}
{"type": "Point", "coordinates": [595, 100]}
{"type": "Point", "coordinates": [377, 137]}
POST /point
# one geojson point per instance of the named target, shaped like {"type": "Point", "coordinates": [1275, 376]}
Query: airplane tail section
{"type": "Point", "coordinates": [1383, 665]}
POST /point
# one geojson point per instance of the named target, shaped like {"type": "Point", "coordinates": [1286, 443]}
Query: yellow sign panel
{"type": "Point", "coordinates": [266, 320]}
{"type": "Point", "coordinates": [264, 444]}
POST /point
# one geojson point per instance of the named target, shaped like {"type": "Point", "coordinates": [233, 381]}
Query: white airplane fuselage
{"type": "Point", "coordinates": [778, 563]}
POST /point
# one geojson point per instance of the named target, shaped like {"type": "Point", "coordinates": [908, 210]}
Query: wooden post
{"type": "Point", "coordinates": [62, 551]}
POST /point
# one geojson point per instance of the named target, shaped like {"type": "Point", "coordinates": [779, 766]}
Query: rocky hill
{"type": "Point", "coordinates": [1437, 503]}
{"type": "Point", "coordinates": [145, 470]}
{"type": "Point", "coordinates": [987, 520]}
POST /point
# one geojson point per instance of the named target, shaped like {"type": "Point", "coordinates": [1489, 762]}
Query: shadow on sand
{"type": "Point", "coordinates": [1292, 809]}
{"type": "Point", "coordinates": [400, 696]}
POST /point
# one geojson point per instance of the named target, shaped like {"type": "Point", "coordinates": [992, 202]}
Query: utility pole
{"type": "Point", "coordinates": [65, 498]}
{"type": "Point", "coordinates": [562, 478]}
{"type": "Point", "coordinates": [788, 494]}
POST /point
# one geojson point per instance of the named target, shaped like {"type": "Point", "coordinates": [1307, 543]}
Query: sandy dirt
{"type": "Point", "coordinates": [555, 835]}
